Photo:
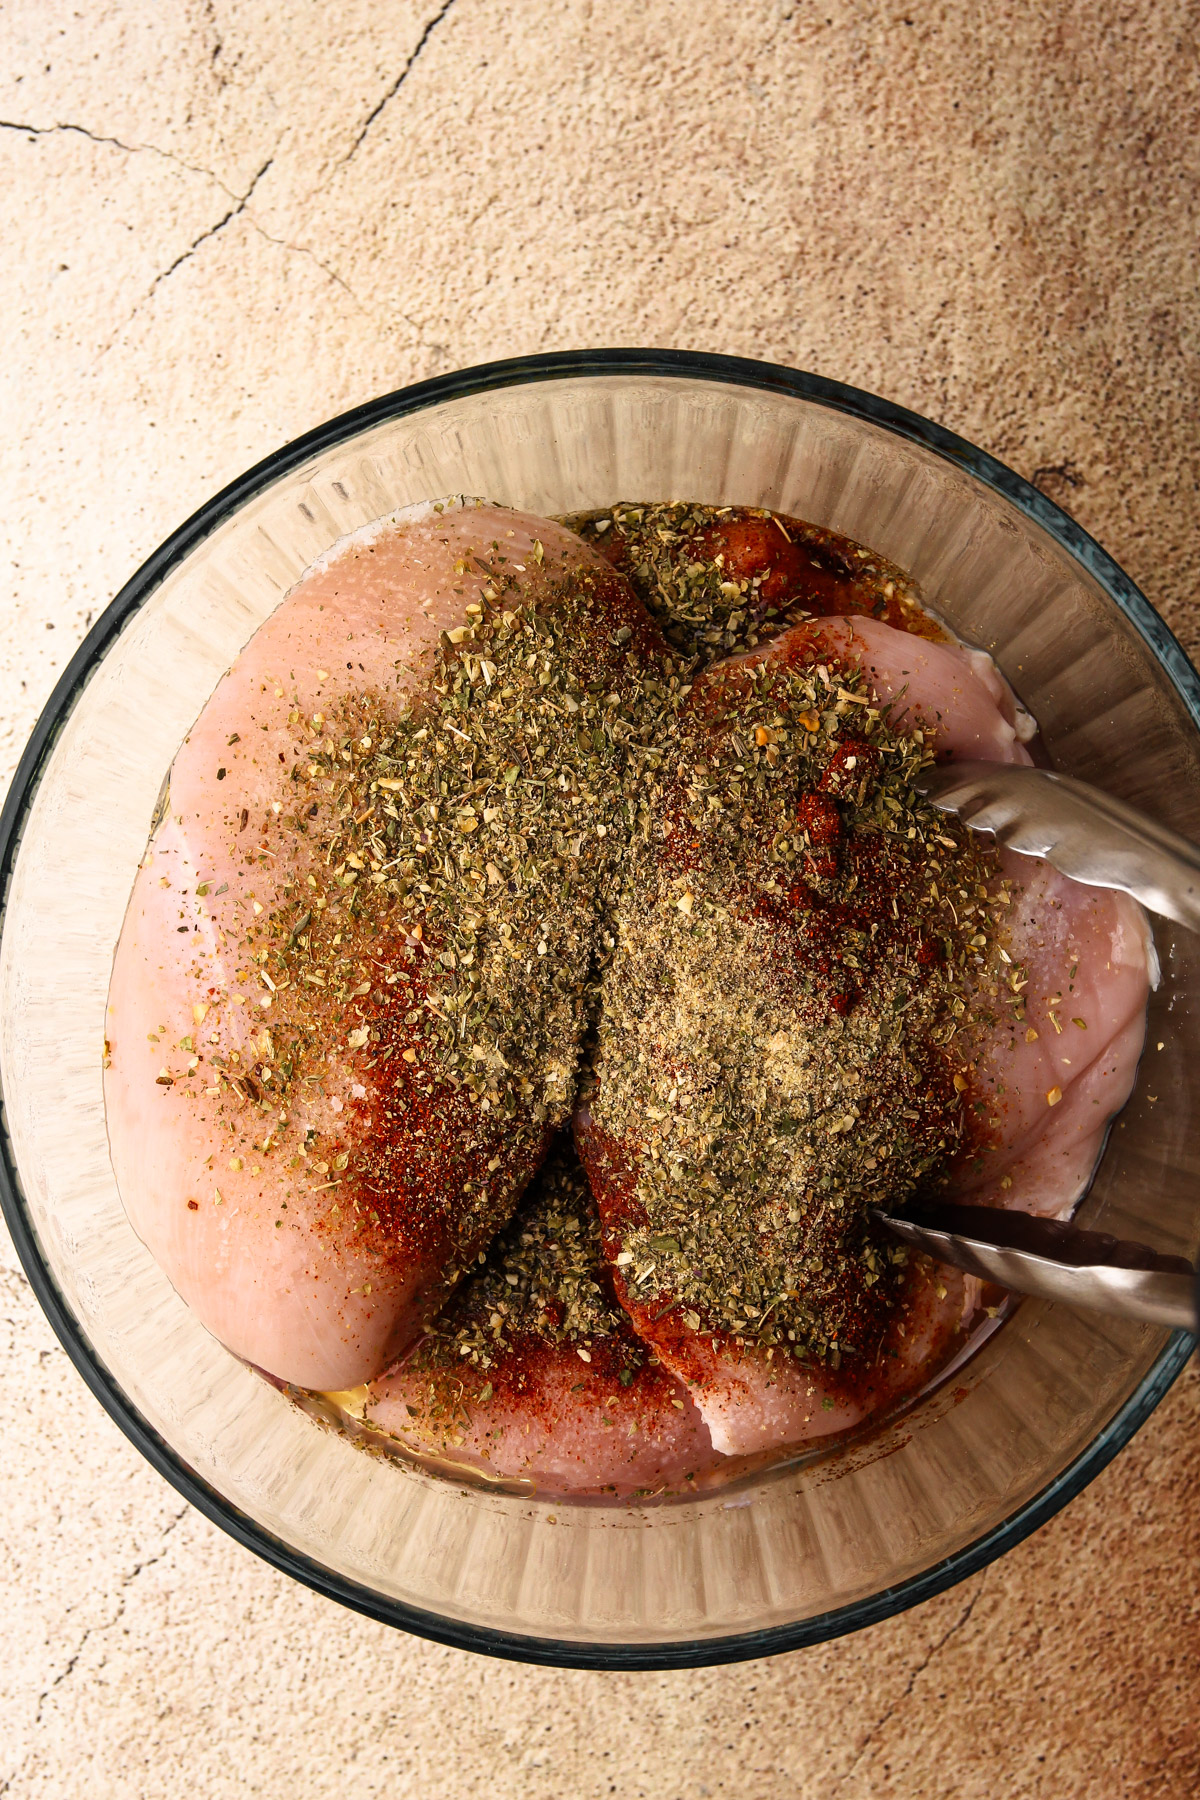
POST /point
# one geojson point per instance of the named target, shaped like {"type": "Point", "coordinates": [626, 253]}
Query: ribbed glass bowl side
{"type": "Point", "coordinates": [798, 1552]}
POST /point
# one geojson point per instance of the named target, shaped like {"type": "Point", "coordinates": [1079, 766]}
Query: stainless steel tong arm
{"type": "Point", "coordinates": [1101, 842]}
{"type": "Point", "coordinates": [1082, 831]}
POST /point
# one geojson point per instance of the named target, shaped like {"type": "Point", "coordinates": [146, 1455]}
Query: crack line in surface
{"type": "Point", "coordinates": [398, 83]}
{"type": "Point", "coordinates": [920, 1669]}
{"type": "Point", "coordinates": [432, 344]}
{"type": "Point", "coordinates": [107, 1624]}
{"type": "Point", "coordinates": [303, 250]}
{"type": "Point", "coordinates": [97, 137]}
{"type": "Point", "coordinates": [233, 213]}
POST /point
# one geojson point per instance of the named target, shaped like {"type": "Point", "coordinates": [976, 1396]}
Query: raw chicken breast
{"type": "Point", "coordinates": [753, 1400]}
{"type": "Point", "coordinates": [309, 1190]}
{"type": "Point", "coordinates": [955, 693]}
{"type": "Point", "coordinates": [319, 1152]}
{"type": "Point", "coordinates": [532, 1372]}
{"type": "Point", "coordinates": [1047, 1087]}
{"type": "Point", "coordinates": [1086, 952]}
{"type": "Point", "coordinates": [1043, 1080]}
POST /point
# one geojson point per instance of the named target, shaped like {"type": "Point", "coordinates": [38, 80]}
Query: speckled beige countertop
{"type": "Point", "coordinates": [224, 221]}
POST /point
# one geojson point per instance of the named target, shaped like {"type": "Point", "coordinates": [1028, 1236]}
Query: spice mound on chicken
{"type": "Point", "coordinates": [542, 964]}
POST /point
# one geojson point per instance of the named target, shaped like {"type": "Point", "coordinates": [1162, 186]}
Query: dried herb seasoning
{"type": "Point", "coordinates": [807, 954]}
{"type": "Point", "coordinates": [542, 1282]}
{"type": "Point", "coordinates": [440, 913]}
{"type": "Point", "coordinates": [570, 837]}
{"type": "Point", "coordinates": [721, 579]}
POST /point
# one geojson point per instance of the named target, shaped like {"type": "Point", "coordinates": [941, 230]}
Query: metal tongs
{"type": "Point", "coordinates": [1104, 843]}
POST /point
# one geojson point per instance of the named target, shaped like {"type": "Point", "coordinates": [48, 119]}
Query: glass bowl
{"type": "Point", "coordinates": [837, 1539]}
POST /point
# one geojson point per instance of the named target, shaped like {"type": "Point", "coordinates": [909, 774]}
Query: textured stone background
{"type": "Point", "coordinates": [224, 221]}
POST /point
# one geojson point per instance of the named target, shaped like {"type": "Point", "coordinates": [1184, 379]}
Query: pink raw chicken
{"type": "Point", "coordinates": [1087, 951]}
{"type": "Point", "coordinates": [274, 1269]}
{"type": "Point", "coordinates": [949, 689]}
{"type": "Point", "coordinates": [534, 1374]}
{"type": "Point", "coordinates": [317, 1305]}
{"type": "Point", "coordinates": [1049, 1088]}
{"type": "Point", "coordinates": [750, 1401]}
{"type": "Point", "coordinates": [551, 1421]}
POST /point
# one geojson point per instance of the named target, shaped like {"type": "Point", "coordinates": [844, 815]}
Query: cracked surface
{"type": "Point", "coordinates": [234, 212]}
{"type": "Point", "coordinates": [391, 92]}
{"type": "Point", "coordinates": [225, 222]}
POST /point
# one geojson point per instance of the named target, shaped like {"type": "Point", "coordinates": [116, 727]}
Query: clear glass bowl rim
{"type": "Point", "coordinates": [486, 377]}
